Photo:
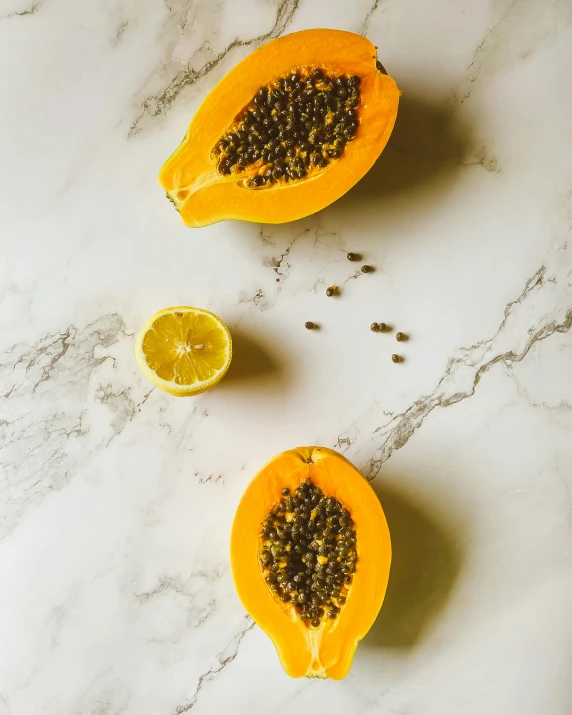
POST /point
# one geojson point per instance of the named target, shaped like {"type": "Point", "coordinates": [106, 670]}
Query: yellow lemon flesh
{"type": "Point", "coordinates": [184, 350]}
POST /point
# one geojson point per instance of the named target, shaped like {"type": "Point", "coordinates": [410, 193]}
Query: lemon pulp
{"type": "Point", "coordinates": [184, 350]}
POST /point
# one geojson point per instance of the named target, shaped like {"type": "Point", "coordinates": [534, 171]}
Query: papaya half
{"type": "Point", "coordinates": [285, 133]}
{"type": "Point", "coordinates": [310, 556]}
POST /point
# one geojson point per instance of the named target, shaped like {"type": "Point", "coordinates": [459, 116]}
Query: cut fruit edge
{"type": "Point", "coordinates": [328, 651]}
{"type": "Point", "coordinates": [171, 387]}
{"type": "Point", "coordinates": [192, 182]}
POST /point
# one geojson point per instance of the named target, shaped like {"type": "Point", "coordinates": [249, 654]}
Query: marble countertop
{"type": "Point", "coordinates": [117, 499]}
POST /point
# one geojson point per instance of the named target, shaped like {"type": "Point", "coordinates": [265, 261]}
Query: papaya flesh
{"type": "Point", "coordinates": [285, 133]}
{"type": "Point", "coordinates": [290, 485]}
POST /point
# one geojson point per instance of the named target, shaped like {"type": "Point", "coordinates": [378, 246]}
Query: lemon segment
{"type": "Point", "coordinates": [184, 350]}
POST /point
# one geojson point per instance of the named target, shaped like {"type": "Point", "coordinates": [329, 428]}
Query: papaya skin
{"type": "Point", "coordinates": [203, 196]}
{"type": "Point", "coordinates": [328, 651]}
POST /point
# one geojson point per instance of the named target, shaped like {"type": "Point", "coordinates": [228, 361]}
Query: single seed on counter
{"type": "Point", "coordinates": [332, 290]}
{"type": "Point", "coordinates": [383, 327]}
{"type": "Point", "coordinates": [396, 358]}
{"type": "Point", "coordinates": [353, 256]}
{"type": "Point", "coordinates": [374, 327]}
{"type": "Point", "coordinates": [399, 337]}
{"type": "Point", "coordinates": [366, 269]}
{"type": "Point", "coordinates": [309, 325]}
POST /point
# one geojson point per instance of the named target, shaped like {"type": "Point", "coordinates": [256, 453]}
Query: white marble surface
{"type": "Point", "coordinates": [117, 500]}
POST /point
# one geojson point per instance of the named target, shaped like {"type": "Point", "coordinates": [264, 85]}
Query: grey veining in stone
{"type": "Point", "coordinates": [116, 499]}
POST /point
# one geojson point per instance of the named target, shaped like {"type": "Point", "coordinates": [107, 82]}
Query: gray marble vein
{"type": "Point", "coordinates": [40, 420]}
{"type": "Point", "coordinates": [521, 28]}
{"type": "Point", "coordinates": [465, 370]}
{"type": "Point", "coordinates": [365, 24]}
{"type": "Point", "coordinates": [224, 659]}
{"type": "Point", "coordinates": [31, 10]}
{"type": "Point", "coordinates": [117, 499]}
{"type": "Point", "coordinates": [158, 104]}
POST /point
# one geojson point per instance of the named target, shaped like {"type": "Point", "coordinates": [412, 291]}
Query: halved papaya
{"type": "Point", "coordinates": [310, 555]}
{"type": "Point", "coordinates": [285, 133]}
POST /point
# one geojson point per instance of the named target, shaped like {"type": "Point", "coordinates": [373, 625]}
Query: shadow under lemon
{"type": "Point", "coordinates": [252, 361]}
{"type": "Point", "coordinates": [425, 565]}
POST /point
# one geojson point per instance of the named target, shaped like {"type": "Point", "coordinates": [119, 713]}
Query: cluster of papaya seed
{"type": "Point", "coordinates": [308, 552]}
{"type": "Point", "coordinates": [292, 128]}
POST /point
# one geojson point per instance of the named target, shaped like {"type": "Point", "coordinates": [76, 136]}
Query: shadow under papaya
{"type": "Point", "coordinates": [425, 565]}
{"type": "Point", "coordinates": [429, 144]}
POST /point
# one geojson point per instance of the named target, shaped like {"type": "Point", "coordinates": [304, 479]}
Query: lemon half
{"type": "Point", "coordinates": [184, 350]}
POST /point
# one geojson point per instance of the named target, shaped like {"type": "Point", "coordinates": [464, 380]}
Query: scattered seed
{"type": "Point", "coordinates": [331, 291]}
{"type": "Point", "coordinates": [399, 337]}
{"type": "Point", "coordinates": [383, 327]}
{"type": "Point", "coordinates": [309, 325]}
{"type": "Point", "coordinates": [366, 269]}
{"type": "Point", "coordinates": [353, 256]}
{"type": "Point", "coordinates": [396, 358]}
{"type": "Point", "coordinates": [374, 327]}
